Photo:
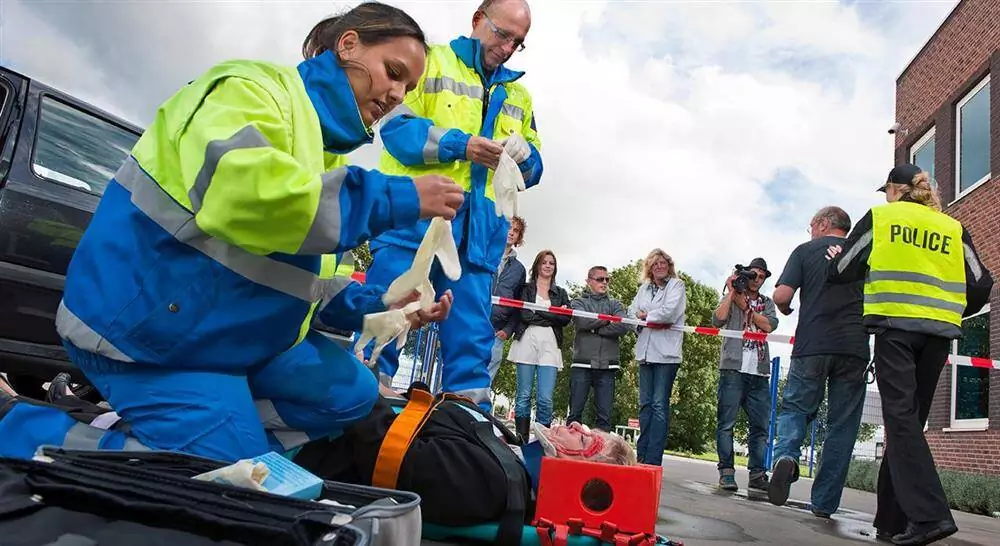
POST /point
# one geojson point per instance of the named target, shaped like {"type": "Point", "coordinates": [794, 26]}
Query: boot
{"type": "Point", "coordinates": [522, 426]}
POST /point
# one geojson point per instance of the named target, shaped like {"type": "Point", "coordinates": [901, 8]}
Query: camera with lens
{"type": "Point", "coordinates": [743, 277]}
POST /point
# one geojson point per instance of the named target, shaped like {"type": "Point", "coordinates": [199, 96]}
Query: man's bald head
{"type": "Point", "coordinates": [501, 26]}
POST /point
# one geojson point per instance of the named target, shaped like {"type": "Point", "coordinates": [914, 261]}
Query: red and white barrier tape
{"type": "Point", "coordinates": [957, 360]}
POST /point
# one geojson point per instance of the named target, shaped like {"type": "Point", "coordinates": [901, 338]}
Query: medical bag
{"type": "Point", "coordinates": [111, 498]}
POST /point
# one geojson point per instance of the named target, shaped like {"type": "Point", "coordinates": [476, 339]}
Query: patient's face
{"type": "Point", "coordinates": [575, 441]}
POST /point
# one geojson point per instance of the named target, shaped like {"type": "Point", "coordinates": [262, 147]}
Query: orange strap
{"type": "Point", "coordinates": [401, 434]}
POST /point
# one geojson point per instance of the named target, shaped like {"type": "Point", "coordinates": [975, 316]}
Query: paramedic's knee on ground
{"type": "Point", "coordinates": [317, 387]}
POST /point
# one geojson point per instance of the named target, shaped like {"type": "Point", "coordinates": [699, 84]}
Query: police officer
{"type": "Point", "coordinates": [466, 110]}
{"type": "Point", "coordinates": [189, 300]}
{"type": "Point", "coordinates": [922, 275]}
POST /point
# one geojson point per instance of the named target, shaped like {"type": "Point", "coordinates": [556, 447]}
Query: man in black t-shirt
{"type": "Point", "coordinates": [830, 353]}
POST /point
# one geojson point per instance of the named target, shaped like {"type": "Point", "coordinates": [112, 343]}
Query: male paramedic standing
{"type": "Point", "coordinates": [466, 110]}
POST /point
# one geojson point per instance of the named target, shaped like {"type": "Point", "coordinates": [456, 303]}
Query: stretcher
{"type": "Point", "coordinates": [577, 503]}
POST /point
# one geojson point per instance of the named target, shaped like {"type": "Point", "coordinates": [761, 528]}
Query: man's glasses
{"type": "Point", "coordinates": [600, 279]}
{"type": "Point", "coordinates": [503, 34]}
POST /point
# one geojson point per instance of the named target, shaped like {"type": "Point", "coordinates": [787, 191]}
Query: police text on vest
{"type": "Point", "coordinates": [920, 238]}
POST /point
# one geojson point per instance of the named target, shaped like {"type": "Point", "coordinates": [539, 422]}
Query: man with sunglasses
{"type": "Point", "coordinates": [465, 111]}
{"type": "Point", "coordinates": [596, 350]}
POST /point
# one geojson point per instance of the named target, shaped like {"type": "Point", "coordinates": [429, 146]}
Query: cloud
{"type": "Point", "coordinates": [711, 130]}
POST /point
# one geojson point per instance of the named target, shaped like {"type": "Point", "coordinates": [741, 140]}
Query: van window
{"type": "Point", "coordinates": [78, 149]}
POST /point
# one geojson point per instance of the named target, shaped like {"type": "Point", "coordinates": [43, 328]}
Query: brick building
{"type": "Point", "coordinates": [949, 124]}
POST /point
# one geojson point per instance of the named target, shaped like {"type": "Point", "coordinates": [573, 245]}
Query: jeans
{"type": "Point", "coordinates": [603, 381]}
{"type": "Point", "coordinates": [753, 394]}
{"type": "Point", "coordinates": [844, 377]}
{"type": "Point", "coordinates": [656, 383]}
{"type": "Point", "coordinates": [543, 396]}
{"type": "Point", "coordinates": [496, 358]}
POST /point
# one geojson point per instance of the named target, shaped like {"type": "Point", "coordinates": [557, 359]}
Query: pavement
{"type": "Point", "coordinates": [695, 512]}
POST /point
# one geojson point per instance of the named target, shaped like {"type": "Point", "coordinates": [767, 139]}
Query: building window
{"type": "Point", "coordinates": [973, 142]}
{"type": "Point", "coordinates": [970, 387]}
{"type": "Point", "coordinates": [922, 154]}
{"type": "Point", "coordinates": [78, 149]}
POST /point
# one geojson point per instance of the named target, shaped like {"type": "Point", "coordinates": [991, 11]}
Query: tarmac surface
{"type": "Point", "coordinates": [695, 512]}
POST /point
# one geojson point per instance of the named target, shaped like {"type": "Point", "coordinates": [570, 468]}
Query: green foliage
{"type": "Point", "coordinates": [978, 494]}
{"type": "Point", "coordinates": [362, 257]}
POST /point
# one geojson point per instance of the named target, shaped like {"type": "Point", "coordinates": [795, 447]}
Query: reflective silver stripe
{"type": "Point", "coordinates": [105, 421]}
{"type": "Point", "coordinates": [974, 266]}
{"type": "Point", "coordinates": [155, 203]}
{"type": "Point", "coordinates": [72, 329]}
{"type": "Point", "coordinates": [385, 379]}
{"type": "Point", "coordinates": [288, 437]}
{"type": "Point", "coordinates": [909, 276]}
{"type": "Point", "coordinates": [917, 325]}
{"type": "Point", "coordinates": [911, 299]}
{"type": "Point", "coordinates": [131, 444]}
{"type": "Point", "coordinates": [81, 436]}
{"type": "Point", "coordinates": [850, 255]}
{"type": "Point", "coordinates": [324, 234]}
{"type": "Point", "coordinates": [247, 137]}
{"type": "Point", "coordinates": [334, 287]}
{"type": "Point", "coordinates": [477, 395]}
{"type": "Point", "coordinates": [401, 110]}
{"type": "Point", "coordinates": [444, 83]}
{"type": "Point", "coordinates": [347, 260]}
{"type": "Point", "coordinates": [433, 145]}
{"type": "Point", "coordinates": [513, 111]}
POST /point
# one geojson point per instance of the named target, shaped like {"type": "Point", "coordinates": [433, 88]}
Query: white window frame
{"type": "Point", "coordinates": [958, 143]}
{"type": "Point", "coordinates": [965, 424]}
{"type": "Point", "coordinates": [920, 144]}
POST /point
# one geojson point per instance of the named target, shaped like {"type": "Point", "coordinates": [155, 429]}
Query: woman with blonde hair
{"type": "Point", "coordinates": [661, 299]}
{"type": "Point", "coordinates": [922, 276]}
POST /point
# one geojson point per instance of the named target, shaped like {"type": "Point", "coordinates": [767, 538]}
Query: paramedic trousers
{"type": "Point", "coordinates": [907, 367]}
{"type": "Point", "coordinates": [466, 335]}
{"type": "Point", "coordinates": [314, 389]}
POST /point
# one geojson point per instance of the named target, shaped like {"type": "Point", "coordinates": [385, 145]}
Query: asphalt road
{"type": "Point", "coordinates": [694, 512]}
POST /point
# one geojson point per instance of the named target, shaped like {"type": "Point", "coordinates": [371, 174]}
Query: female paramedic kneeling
{"type": "Point", "coordinates": [922, 275]}
{"type": "Point", "coordinates": [189, 300]}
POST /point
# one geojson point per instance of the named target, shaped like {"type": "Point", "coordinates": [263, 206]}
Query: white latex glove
{"type": "Point", "coordinates": [507, 181]}
{"type": "Point", "coordinates": [517, 148]}
{"type": "Point", "coordinates": [437, 242]}
{"type": "Point", "coordinates": [383, 328]}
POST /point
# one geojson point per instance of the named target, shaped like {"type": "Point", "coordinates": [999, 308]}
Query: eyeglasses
{"type": "Point", "coordinates": [504, 35]}
{"type": "Point", "coordinates": [600, 279]}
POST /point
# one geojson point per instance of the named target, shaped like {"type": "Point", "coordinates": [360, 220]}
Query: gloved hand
{"type": "Point", "coordinates": [507, 181]}
{"type": "Point", "coordinates": [437, 242]}
{"type": "Point", "coordinates": [517, 148]}
{"type": "Point", "coordinates": [383, 328]}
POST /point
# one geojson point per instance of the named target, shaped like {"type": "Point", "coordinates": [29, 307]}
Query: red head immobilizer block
{"type": "Point", "coordinates": [626, 496]}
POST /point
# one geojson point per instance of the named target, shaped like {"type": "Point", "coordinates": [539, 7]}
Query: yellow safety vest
{"type": "Point", "coordinates": [916, 266]}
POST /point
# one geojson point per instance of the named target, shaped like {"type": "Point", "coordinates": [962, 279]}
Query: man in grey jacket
{"type": "Point", "coordinates": [596, 350]}
{"type": "Point", "coordinates": [744, 376]}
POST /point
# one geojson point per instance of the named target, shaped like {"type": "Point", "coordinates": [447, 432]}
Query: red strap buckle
{"type": "Point", "coordinates": [555, 534]}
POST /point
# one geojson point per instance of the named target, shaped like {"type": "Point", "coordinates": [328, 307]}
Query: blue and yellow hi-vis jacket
{"type": "Point", "coordinates": [217, 240]}
{"type": "Point", "coordinates": [428, 133]}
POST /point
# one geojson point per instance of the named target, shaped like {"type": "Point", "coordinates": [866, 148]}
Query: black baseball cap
{"type": "Point", "coordinates": [759, 262]}
{"type": "Point", "coordinates": [902, 174]}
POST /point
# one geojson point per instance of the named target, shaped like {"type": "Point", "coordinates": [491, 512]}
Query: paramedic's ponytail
{"type": "Point", "coordinates": [374, 22]}
{"type": "Point", "coordinates": [921, 192]}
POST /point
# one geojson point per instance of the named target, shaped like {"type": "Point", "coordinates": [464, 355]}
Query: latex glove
{"type": "Point", "coordinates": [507, 181]}
{"type": "Point", "coordinates": [385, 327]}
{"type": "Point", "coordinates": [437, 242]}
{"type": "Point", "coordinates": [517, 148]}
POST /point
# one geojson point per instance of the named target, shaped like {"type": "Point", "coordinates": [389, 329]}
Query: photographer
{"type": "Point", "coordinates": [745, 368]}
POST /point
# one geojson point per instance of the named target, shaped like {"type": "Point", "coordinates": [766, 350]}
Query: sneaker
{"type": "Point", "coordinates": [782, 476]}
{"type": "Point", "coordinates": [758, 482]}
{"type": "Point", "coordinates": [727, 481]}
{"type": "Point", "coordinates": [819, 513]}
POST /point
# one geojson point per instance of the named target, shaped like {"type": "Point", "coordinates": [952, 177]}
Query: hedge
{"type": "Point", "coordinates": [966, 492]}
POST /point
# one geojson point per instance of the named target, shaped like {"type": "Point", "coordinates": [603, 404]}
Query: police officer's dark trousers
{"type": "Point", "coordinates": [907, 367]}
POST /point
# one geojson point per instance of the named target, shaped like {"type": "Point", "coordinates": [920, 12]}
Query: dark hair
{"type": "Point", "coordinates": [838, 218]}
{"type": "Point", "coordinates": [590, 272]}
{"type": "Point", "coordinates": [374, 22]}
{"type": "Point", "coordinates": [537, 265]}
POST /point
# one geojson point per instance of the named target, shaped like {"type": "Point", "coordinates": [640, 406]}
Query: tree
{"type": "Point", "coordinates": [362, 257]}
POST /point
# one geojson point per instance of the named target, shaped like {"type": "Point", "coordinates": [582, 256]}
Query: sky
{"type": "Point", "coordinates": [712, 130]}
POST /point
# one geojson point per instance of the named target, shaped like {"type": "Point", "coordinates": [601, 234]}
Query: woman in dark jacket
{"type": "Point", "coordinates": [537, 346]}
